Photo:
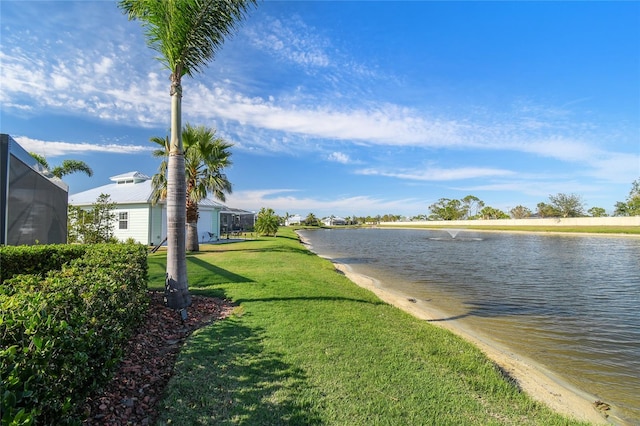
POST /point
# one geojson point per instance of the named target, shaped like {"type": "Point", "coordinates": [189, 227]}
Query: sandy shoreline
{"type": "Point", "coordinates": [532, 378]}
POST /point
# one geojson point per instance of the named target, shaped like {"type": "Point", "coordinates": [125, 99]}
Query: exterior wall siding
{"type": "Point", "coordinates": [204, 225]}
{"type": "Point", "coordinates": [156, 231]}
{"type": "Point", "coordinates": [147, 224]}
{"type": "Point", "coordinates": [137, 223]}
{"type": "Point", "coordinates": [209, 221]}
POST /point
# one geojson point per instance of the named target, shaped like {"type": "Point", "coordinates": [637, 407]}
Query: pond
{"type": "Point", "coordinates": [569, 302]}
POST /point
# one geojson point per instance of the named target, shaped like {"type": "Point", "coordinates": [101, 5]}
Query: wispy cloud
{"type": "Point", "coordinates": [339, 157]}
{"type": "Point", "coordinates": [93, 85]}
{"type": "Point", "coordinates": [103, 81]}
{"type": "Point", "coordinates": [537, 187]}
{"type": "Point", "coordinates": [438, 174]}
{"type": "Point", "coordinates": [384, 124]}
{"type": "Point", "coordinates": [86, 85]}
{"type": "Point", "coordinates": [284, 200]}
{"type": "Point", "coordinates": [292, 41]}
{"type": "Point", "coordinates": [57, 149]}
{"type": "Point", "coordinates": [618, 167]}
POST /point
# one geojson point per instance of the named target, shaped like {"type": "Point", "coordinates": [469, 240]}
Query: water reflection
{"type": "Point", "coordinates": [570, 302]}
{"type": "Point", "coordinates": [456, 239]}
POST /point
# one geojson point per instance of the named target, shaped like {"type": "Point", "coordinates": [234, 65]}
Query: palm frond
{"type": "Point", "coordinates": [71, 166]}
{"type": "Point", "coordinates": [40, 159]}
{"type": "Point", "coordinates": [186, 33]}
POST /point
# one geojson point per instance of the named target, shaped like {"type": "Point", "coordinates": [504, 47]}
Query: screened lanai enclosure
{"type": "Point", "coordinates": [33, 203]}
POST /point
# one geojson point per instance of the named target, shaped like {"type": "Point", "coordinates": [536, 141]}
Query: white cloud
{"type": "Point", "coordinates": [611, 166]}
{"type": "Point", "coordinates": [439, 174]}
{"type": "Point", "coordinates": [281, 201]}
{"type": "Point", "coordinates": [539, 187]}
{"type": "Point", "coordinates": [104, 81]}
{"type": "Point", "coordinates": [615, 167]}
{"type": "Point", "coordinates": [339, 157]}
{"type": "Point", "coordinates": [104, 66]}
{"type": "Point", "coordinates": [559, 147]}
{"type": "Point", "coordinates": [90, 84]}
{"type": "Point", "coordinates": [385, 124]}
{"type": "Point", "coordinates": [292, 41]}
{"type": "Point", "coordinates": [60, 82]}
{"type": "Point", "coordinates": [57, 149]}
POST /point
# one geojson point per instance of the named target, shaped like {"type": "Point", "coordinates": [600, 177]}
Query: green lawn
{"type": "Point", "coordinates": [307, 346]}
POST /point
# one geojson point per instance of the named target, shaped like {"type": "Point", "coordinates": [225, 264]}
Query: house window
{"type": "Point", "coordinates": [123, 220]}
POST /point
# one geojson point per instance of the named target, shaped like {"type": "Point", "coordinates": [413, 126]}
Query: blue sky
{"type": "Point", "coordinates": [347, 108]}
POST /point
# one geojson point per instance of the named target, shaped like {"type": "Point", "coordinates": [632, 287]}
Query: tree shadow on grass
{"type": "Point", "coordinates": [202, 276]}
{"type": "Point", "coordinates": [295, 237]}
{"type": "Point", "coordinates": [297, 250]}
{"type": "Point", "coordinates": [312, 298]}
{"type": "Point", "coordinates": [226, 376]}
{"type": "Point", "coordinates": [202, 273]}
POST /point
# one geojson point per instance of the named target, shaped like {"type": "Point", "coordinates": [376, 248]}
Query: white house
{"type": "Point", "coordinates": [295, 219]}
{"type": "Point", "coordinates": [137, 217]}
{"type": "Point", "coordinates": [334, 220]}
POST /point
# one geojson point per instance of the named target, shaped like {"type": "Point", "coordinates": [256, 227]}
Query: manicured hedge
{"type": "Point", "coordinates": [37, 259]}
{"type": "Point", "coordinates": [62, 334]}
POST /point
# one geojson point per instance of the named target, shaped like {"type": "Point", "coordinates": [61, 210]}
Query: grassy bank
{"type": "Point", "coordinates": [307, 346]}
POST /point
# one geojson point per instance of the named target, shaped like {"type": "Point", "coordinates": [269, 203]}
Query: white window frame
{"type": "Point", "coordinates": [123, 219]}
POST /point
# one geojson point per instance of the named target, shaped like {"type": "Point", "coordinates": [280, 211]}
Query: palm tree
{"type": "Point", "coordinates": [267, 222]}
{"type": "Point", "coordinates": [311, 220]}
{"type": "Point", "coordinates": [66, 168]}
{"type": "Point", "coordinates": [205, 157]}
{"type": "Point", "coordinates": [186, 34]}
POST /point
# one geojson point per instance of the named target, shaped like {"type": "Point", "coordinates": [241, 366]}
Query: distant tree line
{"type": "Point", "coordinates": [559, 205]}
{"type": "Point", "coordinates": [631, 206]}
{"type": "Point", "coordinates": [471, 207]}
{"type": "Point", "coordinates": [312, 220]}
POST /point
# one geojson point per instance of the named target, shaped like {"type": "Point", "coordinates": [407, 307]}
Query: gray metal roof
{"type": "Point", "coordinates": [120, 193]}
{"type": "Point", "coordinates": [233, 210]}
{"type": "Point", "coordinates": [128, 188]}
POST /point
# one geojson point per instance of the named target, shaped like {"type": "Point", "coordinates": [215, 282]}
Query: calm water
{"type": "Point", "coordinates": [570, 303]}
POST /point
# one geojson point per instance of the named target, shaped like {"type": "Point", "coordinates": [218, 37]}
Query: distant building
{"type": "Point", "coordinates": [33, 203]}
{"type": "Point", "coordinates": [236, 220]}
{"type": "Point", "coordinates": [137, 217]}
{"type": "Point", "coordinates": [333, 221]}
{"type": "Point", "coordinates": [293, 220]}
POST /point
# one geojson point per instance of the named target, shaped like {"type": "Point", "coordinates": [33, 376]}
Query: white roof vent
{"type": "Point", "coordinates": [130, 177]}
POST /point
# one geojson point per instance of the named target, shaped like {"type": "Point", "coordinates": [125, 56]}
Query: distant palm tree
{"type": "Point", "coordinates": [186, 34]}
{"type": "Point", "coordinates": [267, 222]}
{"type": "Point", "coordinates": [205, 157]}
{"type": "Point", "coordinates": [66, 168]}
{"type": "Point", "coordinates": [311, 220]}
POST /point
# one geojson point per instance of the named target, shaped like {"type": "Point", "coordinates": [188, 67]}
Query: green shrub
{"type": "Point", "coordinates": [63, 334]}
{"type": "Point", "coordinates": [38, 259]}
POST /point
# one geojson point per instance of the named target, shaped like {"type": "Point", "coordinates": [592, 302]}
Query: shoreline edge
{"type": "Point", "coordinates": [531, 377]}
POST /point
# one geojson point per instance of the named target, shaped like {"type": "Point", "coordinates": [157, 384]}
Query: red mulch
{"type": "Point", "coordinates": [147, 364]}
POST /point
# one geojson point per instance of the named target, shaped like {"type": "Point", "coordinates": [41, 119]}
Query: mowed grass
{"type": "Point", "coordinates": [306, 346]}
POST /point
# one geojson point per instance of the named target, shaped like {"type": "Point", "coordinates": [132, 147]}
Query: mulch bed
{"type": "Point", "coordinates": [148, 360]}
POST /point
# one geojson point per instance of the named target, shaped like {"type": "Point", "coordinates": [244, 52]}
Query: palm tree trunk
{"type": "Point", "coordinates": [176, 286]}
{"type": "Point", "coordinates": [192, 226]}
